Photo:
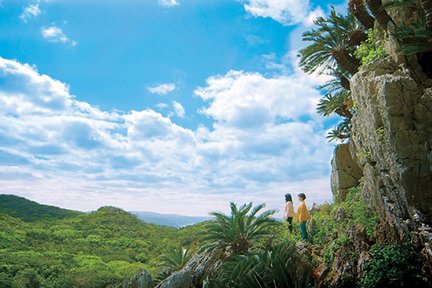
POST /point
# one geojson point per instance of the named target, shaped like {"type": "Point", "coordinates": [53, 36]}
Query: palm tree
{"type": "Point", "coordinates": [176, 259]}
{"type": "Point", "coordinates": [334, 42]}
{"type": "Point", "coordinates": [338, 103]}
{"type": "Point", "coordinates": [349, 25]}
{"type": "Point", "coordinates": [341, 132]}
{"type": "Point", "coordinates": [381, 15]}
{"type": "Point", "coordinates": [237, 232]}
{"type": "Point", "coordinates": [415, 38]}
{"type": "Point", "coordinates": [427, 8]}
{"type": "Point", "coordinates": [424, 9]}
{"type": "Point", "coordinates": [332, 45]}
{"type": "Point", "coordinates": [358, 9]}
{"type": "Point", "coordinates": [280, 266]}
{"type": "Point", "coordinates": [339, 82]}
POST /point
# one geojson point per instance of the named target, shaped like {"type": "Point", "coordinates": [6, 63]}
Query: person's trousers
{"type": "Point", "coordinates": [290, 226]}
{"type": "Point", "coordinates": [303, 231]}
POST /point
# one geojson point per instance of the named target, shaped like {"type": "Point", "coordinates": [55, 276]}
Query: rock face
{"type": "Point", "coordinates": [350, 258]}
{"type": "Point", "coordinates": [392, 144]}
{"type": "Point", "coordinates": [142, 279]}
{"type": "Point", "coordinates": [195, 271]}
{"type": "Point", "coordinates": [346, 173]}
{"type": "Point", "coordinates": [392, 134]}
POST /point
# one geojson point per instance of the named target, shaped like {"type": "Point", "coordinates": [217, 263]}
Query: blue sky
{"type": "Point", "coordinates": [173, 106]}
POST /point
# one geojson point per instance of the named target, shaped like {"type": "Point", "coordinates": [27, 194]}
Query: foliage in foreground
{"type": "Point", "coordinates": [393, 266]}
{"type": "Point", "coordinates": [278, 266]}
{"type": "Point", "coordinates": [236, 233]}
{"type": "Point", "coordinates": [331, 222]}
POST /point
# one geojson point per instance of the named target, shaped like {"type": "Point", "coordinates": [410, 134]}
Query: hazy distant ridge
{"type": "Point", "coordinates": [172, 220]}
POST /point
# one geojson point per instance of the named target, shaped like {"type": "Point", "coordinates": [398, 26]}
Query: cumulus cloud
{"type": "Point", "coordinates": [313, 15]}
{"type": "Point", "coordinates": [56, 35]}
{"type": "Point", "coordinates": [248, 100]}
{"type": "Point", "coordinates": [32, 10]}
{"type": "Point", "coordinates": [266, 140]}
{"type": "Point", "coordinates": [168, 3]}
{"type": "Point", "coordinates": [162, 89]}
{"type": "Point", "coordinates": [178, 109]}
{"type": "Point", "coordinates": [287, 12]}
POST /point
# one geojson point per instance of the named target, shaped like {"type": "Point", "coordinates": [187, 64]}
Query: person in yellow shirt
{"type": "Point", "coordinates": [302, 215]}
{"type": "Point", "coordinates": [289, 211]}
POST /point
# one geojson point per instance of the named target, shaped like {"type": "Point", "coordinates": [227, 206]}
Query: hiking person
{"type": "Point", "coordinates": [289, 211]}
{"type": "Point", "coordinates": [302, 215]}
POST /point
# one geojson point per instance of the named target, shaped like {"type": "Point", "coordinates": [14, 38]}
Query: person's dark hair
{"type": "Point", "coordinates": [288, 197]}
{"type": "Point", "coordinates": [302, 195]}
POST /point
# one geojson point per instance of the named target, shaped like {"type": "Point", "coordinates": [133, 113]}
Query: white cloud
{"type": "Point", "coordinates": [162, 89]}
{"type": "Point", "coordinates": [266, 141]}
{"type": "Point", "coordinates": [161, 106]}
{"type": "Point", "coordinates": [56, 35]}
{"type": "Point", "coordinates": [178, 109]}
{"type": "Point", "coordinates": [313, 15]}
{"type": "Point", "coordinates": [287, 12]}
{"type": "Point", "coordinates": [168, 3]}
{"type": "Point", "coordinates": [32, 10]}
{"type": "Point", "coordinates": [248, 100]}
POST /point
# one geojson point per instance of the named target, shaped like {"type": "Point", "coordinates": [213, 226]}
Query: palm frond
{"type": "Point", "coordinates": [237, 232]}
{"type": "Point", "coordinates": [341, 132]}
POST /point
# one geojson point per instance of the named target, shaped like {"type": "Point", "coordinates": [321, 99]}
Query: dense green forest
{"type": "Point", "coordinates": [28, 210]}
{"type": "Point", "coordinates": [70, 249]}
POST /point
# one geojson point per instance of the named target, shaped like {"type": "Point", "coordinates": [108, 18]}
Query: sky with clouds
{"type": "Point", "coordinates": [171, 106]}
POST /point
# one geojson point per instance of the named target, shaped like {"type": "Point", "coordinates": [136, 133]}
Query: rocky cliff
{"type": "Point", "coordinates": [392, 144]}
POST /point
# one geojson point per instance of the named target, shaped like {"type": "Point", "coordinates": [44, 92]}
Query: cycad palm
{"type": "Point", "coordinates": [350, 27]}
{"type": "Point", "coordinates": [332, 44]}
{"type": "Point", "coordinates": [358, 9]}
{"type": "Point", "coordinates": [281, 266]}
{"type": "Point", "coordinates": [237, 232]}
{"type": "Point", "coordinates": [338, 103]}
{"type": "Point", "coordinates": [176, 259]}
{"type": "Point", "coordinates": [341, 132]}
{"type": "Point", "coordinates": [423, 7]}
{"type": "Point", "coordinates": [427, 8]}
{"type": "Point", "coordinates": [380, 14]}
{"type": "Point", "coordinates": [416, 37]}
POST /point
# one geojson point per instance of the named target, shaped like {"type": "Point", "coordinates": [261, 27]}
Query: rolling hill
{"type": "Point", "coordinates": [28, 210]}
{"type": "Point", "coordinates": [73, 249]}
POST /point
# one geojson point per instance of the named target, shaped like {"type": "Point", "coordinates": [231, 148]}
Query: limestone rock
{"type": "Point", "coordinates": [142, 279]}
{"type": "Point", "coordinates": [349, 260]}
{"type": "Point", "coordinates": [363, 259]}
{"type": "Point", "coordinates": [346, 173]}
{"type": "Point", "coordinates": [343, 269]}
{"type": "Point", "coordinates": [357, 235]}
{"type": "Point", "coordinates": [391, 130]}
{"type": "Point", "coordinates": [180, 279]}
{"type": "Point", "coordinates": [194, 272]}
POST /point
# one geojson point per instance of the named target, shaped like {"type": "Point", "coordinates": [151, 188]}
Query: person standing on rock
{"type": "Point", "coordinates": [302, 215]}
{"type": "Point", "coordinates": [289, 211]}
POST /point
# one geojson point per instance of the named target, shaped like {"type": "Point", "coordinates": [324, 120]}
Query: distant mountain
{"type": "Point", "coordinates": [28, 210]}
{"type": "Point", "coordinates": [172, 220]}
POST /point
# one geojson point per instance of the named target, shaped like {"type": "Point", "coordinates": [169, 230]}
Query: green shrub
{"type": "Point", "coordinates": [393, 266]}
{"type": "Point", "coordinates": [371, 49]}
{"type": "Point", "coordinates": [358, 212]}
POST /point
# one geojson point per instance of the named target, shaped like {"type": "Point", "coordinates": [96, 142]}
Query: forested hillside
{"type": "Point", "coordinates": [99, 249]}
{"type": "Point", "coordinates": [28, 210]}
